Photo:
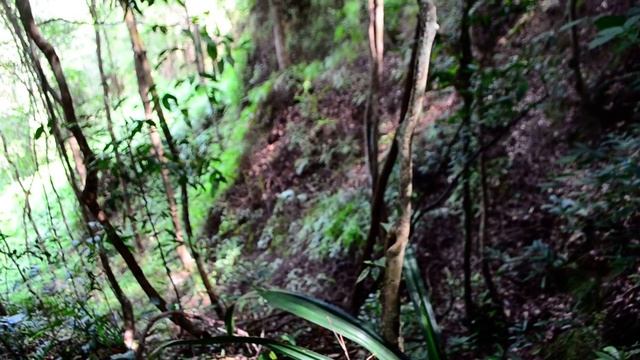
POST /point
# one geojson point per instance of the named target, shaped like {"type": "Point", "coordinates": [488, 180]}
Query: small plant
{"type": "Point", "coordinates": [621, 30]}
{"type": "Point", "coordinates": [612, 353]}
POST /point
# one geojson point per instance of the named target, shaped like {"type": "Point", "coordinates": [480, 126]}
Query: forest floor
{"type": "Point", "coordinates": [304, 165]}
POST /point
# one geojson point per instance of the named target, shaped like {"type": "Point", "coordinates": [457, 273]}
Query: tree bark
{"type": "Point", "coordinates": [125, 304]}
{"type": "Point", "coordinates": [371, 122]}
{"type": "Point", "coordinates": [145, 83]}
{"type": "Point", "coordinates": [194, 29]}
{"type": "Point", "coordinates": [146, 88]}
{"type": "Point", "coordinates": [107, 109]}
{"type": "Point", "coordinates": [279, 36]}
{"type": "Point", "coordinates": [428, 26]}
{"type": "Point", "coordinates": [482, 231]}
{"type": "Point", "coordinates": [81, 168]}
{"type": "Point", "coordinates": [215, 300]}
{"type": "Point", "coordinates": [463, 86]}
{"type": "Point", "coordinates": [574, 62]}
{"type": "Point", "coordinates": [378, 207]}
{"type": "Point", "coordinates": [88, 196]}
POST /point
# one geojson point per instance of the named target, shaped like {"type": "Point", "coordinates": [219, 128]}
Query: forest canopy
{"type": "Point", "coordinates": [319, 179]}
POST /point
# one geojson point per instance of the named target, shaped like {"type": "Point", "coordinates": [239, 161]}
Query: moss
{"type": "Point", "coordinates": [574, 344]}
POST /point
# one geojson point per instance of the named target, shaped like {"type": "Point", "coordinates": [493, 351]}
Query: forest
{"type": "Point", "coordinates": [320, 179]}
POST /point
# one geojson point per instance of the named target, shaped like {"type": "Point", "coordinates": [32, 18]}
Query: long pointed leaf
{"type": "Point", "coordinates": [334, 319]}
{"type": "Point", "coordinates": [420, 298]}
{"type": "Point", "coordinates": [292, 351]}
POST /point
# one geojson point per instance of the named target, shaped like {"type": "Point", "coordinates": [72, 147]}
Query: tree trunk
{"type": "Point", "coordinates": [81, 168]}
{"type": "Point", "coordinates": [400, 236]}
{"type": "Point", "coordinates": [574, 62]}
{"type": "Point", "coordinates": [145, 83]}
{"type": "Point", "coordinates": [128, 210]}
{"type": "Point", "coordinates": [371, 132]}
{"type": "Point", "coordinates": [463, 86]}
{"type": "Point", "coordinates": [125, 304]}
{"type": "Point", "coordinates": [194, 29]}
{"type": "Point", "coordinates": [88, 197]}
{"type": "Point", "coordinates": [146, 88]}
{"type": "Point", "coordinates": [378, 207]}
{"type": "Point", "coordinates": [376, 44]}
{"type": "Point", "coordinates": [279, 36]}
{"type": "Point", "coordinates": [482, 231]}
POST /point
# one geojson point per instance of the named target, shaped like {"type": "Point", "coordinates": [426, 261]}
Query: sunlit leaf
{"type": "Point", "coordinates": [39, 132]}
{"type": "Point", "coordinates": [332, 318]}
{"type": "Point", "coordinates": [167, 99]}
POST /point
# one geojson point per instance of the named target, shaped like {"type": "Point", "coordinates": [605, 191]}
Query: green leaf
{"type": "Point", "coordinates": [605, 36]}
{"type": "Point", "coordinates": [230, 60]}
{"type": "Point", "coordinates": [212, 50]}
{"type": "Point", "coordinates": [166, 100]}
{"type": "Point", "coordinates": [420, 298]}
{"type": "Point", "coordinates": [160, 28]}
{"type": "Point", "coordinates": [209, 76]}
{"type": "Point", "coordinates": [39, 132]}
{"type": "Point", "coordinates": [571, 24]}
{"type": "Point", "coordinates": [332, 318]}
{"type": "Point", "coordinates": [631, 21]}
{"type": "Point", "coordinates": [609, 21]}
{"type": "Point", "coordinates": [292, 351]}
{"type": "Point", "coordinates": [363, 275]}
{"type": "Point", "coordinates": [229, 321]}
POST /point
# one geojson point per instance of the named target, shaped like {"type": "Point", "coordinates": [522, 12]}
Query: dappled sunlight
{"type": "Point", "coordinates": [319, 179]}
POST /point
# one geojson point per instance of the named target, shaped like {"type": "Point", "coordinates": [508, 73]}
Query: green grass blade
{"type": "Point", "coordinates": [334, 319]}
{"type": "Point", "coordinates": [420, 298]}
{"type": "Point", "coordinates": [229, 320]}
{"type": "Point", "coordinates": [292, 351]}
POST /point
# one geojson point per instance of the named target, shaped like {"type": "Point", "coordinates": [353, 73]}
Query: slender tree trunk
{"type": "Point", "coordinates": [574, 62]}
{"type": "Point", "coordinates": [144, 73]}
{"type": "Point", "coordinates": [463, 86]}
{"type": "Point", "coordinates": [81, 168]}
{"type": "Point", "coordinates": [482, 232]}
{"type": "Point", "coordinates": [88, 197]}
{"type": "Point", "coordinates": [145, 83]}
{"type": "Point", "coordinates": [197, 42]}
{"type": "Point", "coordinates": [376, 49]}
{"type": "Point", "coordinates": [128, 210]}
{"type": "Point", "coordinates": [194, 29]}
{"type": "Point", "coordinates": [125, 304]}
{"type": "Point", "coordinates": [467, 220]}
{"type": "Point", "coordinates": [378, 207]}
{"type": "Point", "coordinates": [146, 88]}
{"type": "Point", "coordinates": [371, 125]}
{"type": "Point", "coordinates": [400, 236]}
{"type": "Point", "coordinates": [279, 36]}
{"type": "Point", "coordinates": [139, 181]}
